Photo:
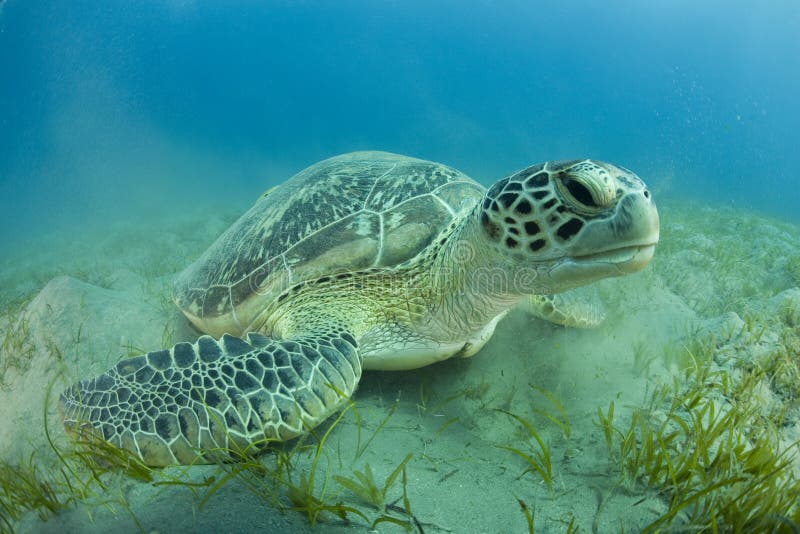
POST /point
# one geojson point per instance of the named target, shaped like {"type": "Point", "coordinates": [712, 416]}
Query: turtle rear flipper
{"type": "Point", "coordinates": [197, 402]}
{"type": "Point", "coordinates": [576, 308]}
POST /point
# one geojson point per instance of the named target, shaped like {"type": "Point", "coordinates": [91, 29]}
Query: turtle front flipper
{"type": "Point", "coordinates": [198, 401]}
{"type": "Point", "coordinates": [575, 309]}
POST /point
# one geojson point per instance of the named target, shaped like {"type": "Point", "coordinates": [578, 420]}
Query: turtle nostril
{"type": "Point", "coordinates": [647, 194]}
{"type": "Point", "coordinates": [580, 192]}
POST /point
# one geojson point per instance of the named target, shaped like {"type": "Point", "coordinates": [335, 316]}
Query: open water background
{"type": "Point", "coordinates": [128, 110]}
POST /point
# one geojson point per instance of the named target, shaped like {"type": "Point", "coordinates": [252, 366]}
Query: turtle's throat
{"type": "Point", "coordinates": [470, 284]}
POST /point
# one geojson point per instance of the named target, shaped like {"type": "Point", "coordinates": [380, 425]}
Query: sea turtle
{"type": "Point", "coordinates": [367, 260]}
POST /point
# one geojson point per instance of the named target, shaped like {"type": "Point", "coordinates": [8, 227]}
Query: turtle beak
{"type": "Point", "coordinates": [633, 232]}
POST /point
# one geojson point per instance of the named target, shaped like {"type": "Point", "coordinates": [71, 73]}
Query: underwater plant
{"type": "Point", "coordinates": [536, 454]}
{"type": "Point", "coordinates": [17, 348]}
{"type": "Point", "coordinates": [560, 418]}
{"type": "Point", "coordinates": [719, 464]}
{"type": "Point", "coordinates": [793, 266]}
{"type": "Point", "coordinates": [292, 476]}
{"type": "Point", "coordinates": [367, 490]}
{"type": "Point", "coordinates": [529, 516]}
{"type": "Point", "coordinates": [30, 486]}
{"type": "Point", "coordinates": [23, 488]}
{"type": "Point", "coordinates": [643, 358]}
{"type": "Point", "coordinates": [364, 486]}
{"type": "Point", "coordinates": [538, 458]}
{"type": "Point", "coordinates": [288, 487]}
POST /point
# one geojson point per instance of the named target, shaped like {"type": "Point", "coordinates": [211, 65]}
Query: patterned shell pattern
{"type": "Point", "coordinates": [350, 212]}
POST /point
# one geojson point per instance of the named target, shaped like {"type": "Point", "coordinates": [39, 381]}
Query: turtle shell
{"type": "Point", "coordinates": [350, 212]}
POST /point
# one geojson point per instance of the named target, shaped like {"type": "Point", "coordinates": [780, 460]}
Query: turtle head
{"type": "Point", "coordinates": [565, 224]}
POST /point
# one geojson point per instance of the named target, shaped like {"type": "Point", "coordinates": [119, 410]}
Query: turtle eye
{"type": "Point", "coordinates": [577, 195]}
{"type": "Point", "coordinates": [586, 188]}
{"type": "Point", "coordinates": [579, 192]}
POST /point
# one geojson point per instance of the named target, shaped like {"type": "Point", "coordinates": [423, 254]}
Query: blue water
{"type": "Point", "coordinates": [124, 109]}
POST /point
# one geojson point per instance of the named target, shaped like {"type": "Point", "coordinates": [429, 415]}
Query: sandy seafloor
{"type": "Point", "coordinates": [96, 296]}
